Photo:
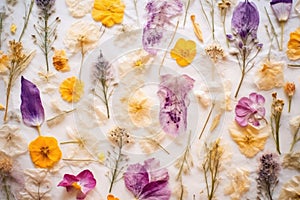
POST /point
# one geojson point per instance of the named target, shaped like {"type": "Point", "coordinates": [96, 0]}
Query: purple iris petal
{"type": "Point", "coordinates": [146, 182]}
{"type": "Point", "coordinates": [281, 9]}
{"type": "Point", "coordinates": [173, 102]}
{"type": "Point", "coordinates": [250, 110]}
{"type": "Point", "coordinates": [245, 20]}
{"type": "Point", "coordinates": [31, 107]}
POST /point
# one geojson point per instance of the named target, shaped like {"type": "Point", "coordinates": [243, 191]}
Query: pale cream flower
{"type": "Point", "coordinates": [82, 36]}
{"type": "Point", "coordinates": [203, 96]}
{"type": "Point", "coordinates": [270, 75]}
{"type": "Point", "coordinates": [11, 141]}
{"type": "Point", "coordinates": [215, 52]}
{"type": "Point", "coordinates": [239, 184]}
{"type": "Point", "coordinates": [291, 189]}
{"type": "Point", "coordinates": [79, 8]}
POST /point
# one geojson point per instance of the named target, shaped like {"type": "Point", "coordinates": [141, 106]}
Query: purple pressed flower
{"type": "Point", "coordinates": [147, 182]}
{"type": "Point", "coordinates": [172, 93]}
{"type": "Point", "coordinates": [31, 106]}
{"type": "Point", "coordinates": [83, 183]}
{"type": "Point", "coordinates": [245, 20]}
{"type": "Point", "coordinates": [281, 9]}
{"type": "Point", "coordinates": [250, 110]}
{"type": "Point", "coordinates": [159, 14]}
{"type": "Point", "coordinates": [45, 5]}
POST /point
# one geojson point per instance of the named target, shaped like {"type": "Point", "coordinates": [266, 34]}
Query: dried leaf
{"type": "Point", "coordinates": [292, 161]}
{"type": "Point", "coordinates": [215, 121]}
{"type": "Point", "coordinates": [197, 29]}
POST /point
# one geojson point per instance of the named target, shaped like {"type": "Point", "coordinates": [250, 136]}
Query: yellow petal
{"type": "Point", "coordinates": [197, 29]}
{"type": "Point", "coordinates": [13, 28]}
{"type": "Point", "coordinates": [2, 107]}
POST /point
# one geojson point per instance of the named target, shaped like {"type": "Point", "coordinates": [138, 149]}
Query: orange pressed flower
{"type": "Point", "coordinates": [44, 151]}
{"type": "Point", "coordinates": [109, 12]}
{"type": "Point", "coordinates": [112, 197]}
{"type": "Point", "coordinates": [184, 52]}
{"type": "Point", "coordinates": [293, 52]}
{"type": "Point", "coordinates": [71, 89]}
{"type": "Point", "coordinates": [60, 61]}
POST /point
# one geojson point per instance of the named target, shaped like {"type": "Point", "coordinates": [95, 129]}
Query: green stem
{"type": "Point", "coordinates": [1, 28]}
{"type": "Point", "coordinates": [281, 35]}
{"type": "Point", "coordinates": [46, 16]}
{"type": "Point", "coordinates": [242, 77]}
{"type": "Point", "coordinates": [7, 97]}
{"type": "Point", "coordinates": [115, 172]}
{"type": "Point", "coordinates": [290, 103]}
{"type": "Point", "coordinates": [6, 189]}
{"type": "Point", "coordinates": [277, 121]}
{"type": "Point", "coordinates": [105, 90]}
{"type": "Point", "coordinates": [26, 20]}
{"type": "Point", "coordinates": [186, 11]}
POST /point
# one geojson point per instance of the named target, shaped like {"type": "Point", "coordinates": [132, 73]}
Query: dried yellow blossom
{"type": "Point", "coordinates": [2, 107]}
{"type": "Point", "coordinates": [197, 29]}
{"type": "Point", "coordinates": [215, 52]}
{"type": "Point", "coordinates": [13, 28]}
{"type": "Point", "coordinates": [291, 189]}
{"type": "Point", "coordinates": [239, 184]}
{"type": "Point", "coordinates": [249, 139]}
{"type": "Point", "coordinates": [293, 52]}
{"type": "Point", "coordinates": [60, 61]}
{"type": "Point", "coordinates": [4, 62]}
{"type": "Point", "coordinates": [184, 52]}
{"type": "Point", "coordinates": [270, 75]}
{"type": "Point", "coordinates": [71, 89]}
{"type": "Point", "coordinates": [6, 164]}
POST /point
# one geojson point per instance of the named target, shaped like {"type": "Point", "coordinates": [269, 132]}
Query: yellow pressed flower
{"type": "Point", "coordinates": [44, 151]}
{"type": "Point", "coordinates": [112, 197]}
{"type": "Point", "coordinates": [60, 61]}
{"type": "Point", "coordinates": [13, 28]}
{"type": "Point", "coordinates": [2, 107]}
{"type": "Point", "coordinates": [293, 52]}
{"type": "Point", "coordinates": [109, 12]}
{"type": "Point", "coordinates": [4, 62]}
{"type": "Point", "coordinates": [249, 139]}
{"type": "Point", "coordinates": [184, 52]}
{"type": "Point", "coordinates": [71, 89]}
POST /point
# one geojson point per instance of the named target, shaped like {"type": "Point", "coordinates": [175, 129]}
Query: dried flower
{"type": "Point", "coordinates": [109, 12]}
{"type": "Point", "coordinates": [82, 183]}
{"type": "Point", "coordinates": [120, 137]}
{"type": "Point", "coordinates": [249, 139]}
{"type": "Point", "coordinates": [196, 28]}
{"type": "Point", "coordinates": [244, 23]}
{"type": "Point", "coordinates": [289, 90]}
{"type": "Point", "coordinates": [60, 61]}
{"type": "Point", "coordinates": [45, 5]}
{"type": "Point", "coordinates": [13, 28]}
{"type": "Point", "coordinates": [215, 51]}
{"type": "Point", "coordinates": [174, 102]}
{"type": "Point", "coordinates": [44, 151]}
{"type": "Point", "coordinates": [250, 110]}
{"type": "Point", "coordinates": [276, 110]}
{"type": "Point", "coordinates": [293, 51]}
{"type": "Point", "coordinates": [26, 18]}
{"type": "Point", "coordinates": [270, 75]}
{"type": "Point", "coordinates": [112, 197]}
{"type": "Point", "coordinates": [295, 126]}
{"type": "Point", "coordinates": [71, 89]}
{"type": "Point", "coordinates": [268, 173]}
{"type": "Point", "coordinates": [292, 161]}
{"type": "Point", "coordinates": [159, 14]}
{"type": "Point", "coordinates": [224, 6]}
{"type": "Point", "coordinates": [4, 62]}
{"type": "Point", "coordinates": [291, 189]}
{"type": "Point", "coordinates": [78, 8]}
{"type": "Point", "coordinates": [184, 52]}
{"type": "Point", "coordinates": [147, 181]}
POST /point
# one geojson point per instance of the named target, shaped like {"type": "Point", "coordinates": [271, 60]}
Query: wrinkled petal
{"type": "Point", "coordinates": [87, 180]}
{"type": "Point", "coordinates": [157, 190]}
{"type": "Point", "coordinates": [68, 180]}
{"type": "Point", "coordinates": [282, 9]}
{"type": "Point", "coordinates": [31, 107]}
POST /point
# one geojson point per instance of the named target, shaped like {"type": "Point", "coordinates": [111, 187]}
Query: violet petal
{"type": "Point", "coordinates": [31, 106]}
{"type": "Point", "coordinates": [282, 9]}
{"type": "Point", "coordinates": [157, 190]}
{"type": "Point", "coordinates": [68, 180]}
{"type": "Point", "coordinates": [86, 180]}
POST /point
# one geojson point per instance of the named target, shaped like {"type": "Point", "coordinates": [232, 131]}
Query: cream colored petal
{"type": "Point", "coordinates": [79, 8]}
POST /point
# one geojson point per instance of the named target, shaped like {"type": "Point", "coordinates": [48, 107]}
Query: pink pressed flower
{"type": "Point", "coordinates": [250, 110]}
{"type": "Point", "coordinates": [83, 183]}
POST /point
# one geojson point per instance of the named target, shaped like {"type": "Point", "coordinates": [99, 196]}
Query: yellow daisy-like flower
{"type": "Point", "coordinates": [44, 152]}
{"type": "Point", "coordinates": [249, 139]}
{"type": "Point", "coordinates": [109, 12]}
{"type": "Point", "coordinates": [293, 52]}
{"type": "Point", "coordinates": [71, 89]}
{"type": "Point", "coordinates": [184, 52]}
{"type": "Point", "coordinates": [60, 61]}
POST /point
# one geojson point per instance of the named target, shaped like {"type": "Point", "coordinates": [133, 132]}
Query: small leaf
{"type": "Point", "coordinates": [197, 29]}
{"type": "Point", "coordinates": [215, 122]}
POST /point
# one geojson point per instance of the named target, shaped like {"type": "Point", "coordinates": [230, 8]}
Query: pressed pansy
{"type": "Point", "coordinates": [60, 61]}
{"type": "Point", "coordinates": [184, 52]}
{"type": "Point", "coordinates": [173, 91]}
{"type": "Point", "coordinates": [44, 151]}
{"type": "Point", "coordinates": [82, 183]}
{"type": "Point", "coordinates": [71, 89]}
{"type": "Point", "coordinates": [147, 182]}
{"type": "Point", "coordinates": [293, 51]}
{"type": "Point", "coordinates": [250, 110]}
{"type": "Point", "coordinates": [109, 12]}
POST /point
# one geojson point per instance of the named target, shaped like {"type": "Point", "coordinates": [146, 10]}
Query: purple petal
{"type": "Point", "coordinates": [245, 19]}
{"type": "Point", "coordinates": [31, 107]}
{"type": "Point", "coordinates": [157, 190]}
{"type": "Point", "coordinates": [257, 98]}
{"type": "Point", "coordinates": [282, 9]}
{"type": "Point", "coordinates": [86, 180]}
{"type": "Point", "coordinates": [68, 180]}
{"type": "Point", "coordinates": [136, 178]}
{"type": "Point", "coordinates": [152, 166]}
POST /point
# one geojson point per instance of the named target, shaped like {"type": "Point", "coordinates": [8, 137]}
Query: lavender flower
{"type": "Point", "coordinates": [45, 5]}
{"type": "Point", "coordinates": [267, 176]}
{"type": "Point", "coordinates": [159, 14]}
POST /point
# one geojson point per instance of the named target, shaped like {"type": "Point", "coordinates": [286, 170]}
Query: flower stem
{"type": "Point", "coordinates": [281, 35]}
{"type": "Point", "coordinates": [71, 142]}
{"type": "Point", "coordinates": [290, 103]}
{"type": "Point", "coordinates": [8, 89]}
{"type": "Point", "coordinates": [46, 52]}
{"type": "Point", "coordinates": [240, 83]}
{"type": "Point", "coordinates": [207, 119]}
{"type": "Point", "coordinates": [295, 139]}
{"type": "Point", "coordinates": [6, 188]}
{"type": "Point", "coordinates": [115, 172]}
{"type": "Point", "coordinates": [224, 27]}
{"type": "Point", "coordinates": [272, 28]}
{"type": "Point", "coordinates": [1, 28]}
{"type": "Point", "coordinates": [39, 130]}
{"type": "Point", "coordinates": [277, 124]}
{"type": "Point", "coordinates": [186, 11]}
{"type": "Point", "coordinates": [27, 16]}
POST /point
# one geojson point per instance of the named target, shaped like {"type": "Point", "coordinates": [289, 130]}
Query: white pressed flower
{"type": "Point", "coordinates": [79, 8]}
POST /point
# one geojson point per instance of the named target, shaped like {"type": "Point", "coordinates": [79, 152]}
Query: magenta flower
{"type": "Point", "coordinates": [147, 182]}
{"type": "Point", "coordinates": [281, 9]}
{"type": "Point", "coordinates": [83, 183]}
{"type": "Point", "coordinates": [31, 106]}
{"type": "Point", "coordinates": [250, 110]}
{"type": "Point", "coordinates": [173, 91]}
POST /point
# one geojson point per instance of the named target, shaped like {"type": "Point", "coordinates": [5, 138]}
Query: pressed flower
{"type": "Point", "coordinates": [13, 28]}
{"type": "Point", "coordinates": [82, 182]}
{"type": "Point", "coordinates": [4, 62]}
{"type": "Point", "coordinates": [2, 107]}
{"type": "Point", "coordinates": [295, 127]}
{"type": "Point", "coordinates": [31, 106]}
{"type": "Point", "coordinates": [196, 28]}
{"type": "Point", "coordinates": [44, 151]}
{"type": "Point", "coordinates": [293, 51]}
{"type": "Point", "coordinates": [215, 51]}
{"type": "Point", "coordinates": [289, 90]}
{"type": "Point", "coordinates": [79, 8]}
{"type": "Point", "coordinates": [184, 52]}
{"type": "Point", "coordinates": [250, 110]}
{"type": "Point", "coordinates": [11, 141]}
{"type": "Point", "coordinates": [173, 91]}
{"type": "Point", "coordinates": [249, 139]}
{"type": "Point", "coordinates": [270, 75]}
{"type": "Point", "coordinates": [71, 89]}
{"type": "Point", "coordinates": [147, 181]}
{"type": "Point", "coordinates": [60, 61]}
{"type": "Point", "coordinates": [109, 12]}
{"type": "Point", "coordinates": [291, 189]}
{"type": "Point", "coordinates": [112, 197]}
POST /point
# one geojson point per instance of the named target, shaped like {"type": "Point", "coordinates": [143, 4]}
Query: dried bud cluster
{"type": "Point", "coordinates": [120, 136]}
